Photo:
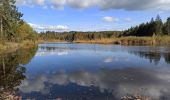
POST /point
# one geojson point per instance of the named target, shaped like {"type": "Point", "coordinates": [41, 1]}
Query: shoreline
{"type": "Point", "coordinates": [148, 41]}
{"type": "Point", "coordinates": [140, 41]}
{"type": "Point", "coordinates": [8, 47]}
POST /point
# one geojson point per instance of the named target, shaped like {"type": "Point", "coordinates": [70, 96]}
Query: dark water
{"type": "Point", "coordinates": [66, 71]}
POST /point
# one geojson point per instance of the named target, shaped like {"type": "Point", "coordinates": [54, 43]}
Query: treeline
{"type": "Point", "coordinates": [154, 27]}
{"type": "Point", "coordinates": [12, 27]}
{"type": "Point", "coordinates": [73, 35]}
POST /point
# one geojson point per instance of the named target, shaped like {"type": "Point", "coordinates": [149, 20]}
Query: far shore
{"type": "Point", "coordinates": [150, 41]}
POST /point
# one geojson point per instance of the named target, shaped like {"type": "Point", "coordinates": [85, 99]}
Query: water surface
{"type": "Point", "coordinates": [86, 72]}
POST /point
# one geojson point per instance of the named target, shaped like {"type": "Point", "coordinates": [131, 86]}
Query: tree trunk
{"type": "Point", "coordinates": [3, 66]}
{"type": "Point", "coordinates": [1, 29]}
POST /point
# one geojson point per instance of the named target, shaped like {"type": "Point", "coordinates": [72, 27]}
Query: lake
{"type": "Point", "coordinates": [70, 71]}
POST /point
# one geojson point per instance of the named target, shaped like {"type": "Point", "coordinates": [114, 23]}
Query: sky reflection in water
{"type": "Point", "coordinates": [88, 71]}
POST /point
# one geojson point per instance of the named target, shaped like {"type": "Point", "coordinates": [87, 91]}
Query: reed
{"type": "Point", "coordinates": [155, 40]}
{"type": "Point", "coordinates": [12, 46]}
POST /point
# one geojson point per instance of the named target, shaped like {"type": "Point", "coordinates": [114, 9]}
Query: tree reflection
{"type": "Point", "coordinates": [12, 70]}
{"type": "Point", "coordinates": [153, 57]}
{"type": "Point", "coordinates": [167, 57]}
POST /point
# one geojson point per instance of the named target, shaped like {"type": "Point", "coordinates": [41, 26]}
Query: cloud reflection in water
{"type": "Point", "coordinates": [148, 82]}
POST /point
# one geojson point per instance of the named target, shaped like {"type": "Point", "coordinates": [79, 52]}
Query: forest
{"type": "Point", "coordinates": [156, 27]}
{"type": "Point", "coordinates": [73, 35]}
{"type": "Point", "coordinates": [12, 27]}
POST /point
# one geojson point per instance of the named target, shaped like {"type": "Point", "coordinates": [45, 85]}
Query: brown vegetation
{"type": "Point", "coordinates": [12, 46]}
{"type": "Point", "coordinates": [135, 98]}
{"type": "Point", "coordinates": [160, 40]}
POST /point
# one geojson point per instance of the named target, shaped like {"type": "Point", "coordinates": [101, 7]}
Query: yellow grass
{"type": "Point", "coordinates": [12, 46]}
{"type": "Point", "coordinates": [159, 40]}
{"type": "Point", "coordinates": [98, 41]}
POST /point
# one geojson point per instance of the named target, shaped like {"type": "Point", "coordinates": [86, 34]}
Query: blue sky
{"type": "Point", "coordinates": [90, 15]}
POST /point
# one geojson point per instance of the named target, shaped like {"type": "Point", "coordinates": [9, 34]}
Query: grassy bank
{"type": "Point", "coordinates": [49, 40]}
{"type": "Point", "coordinates": [12, 46]}
{"type": "Point", "coordinates": [156, 40]}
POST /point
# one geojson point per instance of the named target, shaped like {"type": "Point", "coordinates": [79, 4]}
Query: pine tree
{"type": "Point", "coordinates": [158, 25]}
{"type": "Point", "coordinates": [151, 27]}
{"type": "Point", "coordinates": [167, 27]}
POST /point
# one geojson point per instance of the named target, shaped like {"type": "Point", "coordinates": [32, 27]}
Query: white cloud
{"type": "Point", "coordinates": [110, 19]}
{"type": "Point", "coordinates": [30, 2]}
{"type": "Point", "coordinates": [49, 27]}
{"type": "Point", "coordinates": [39, 2]}
{"type": "Point", "coordinates": [103, 4]}
{"type": "Point", "coordinates": [128, 19]}
{"type": "Point", "coordinates": [82, 3]}
{"type": "Point", "coordinates": [58, 4]}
